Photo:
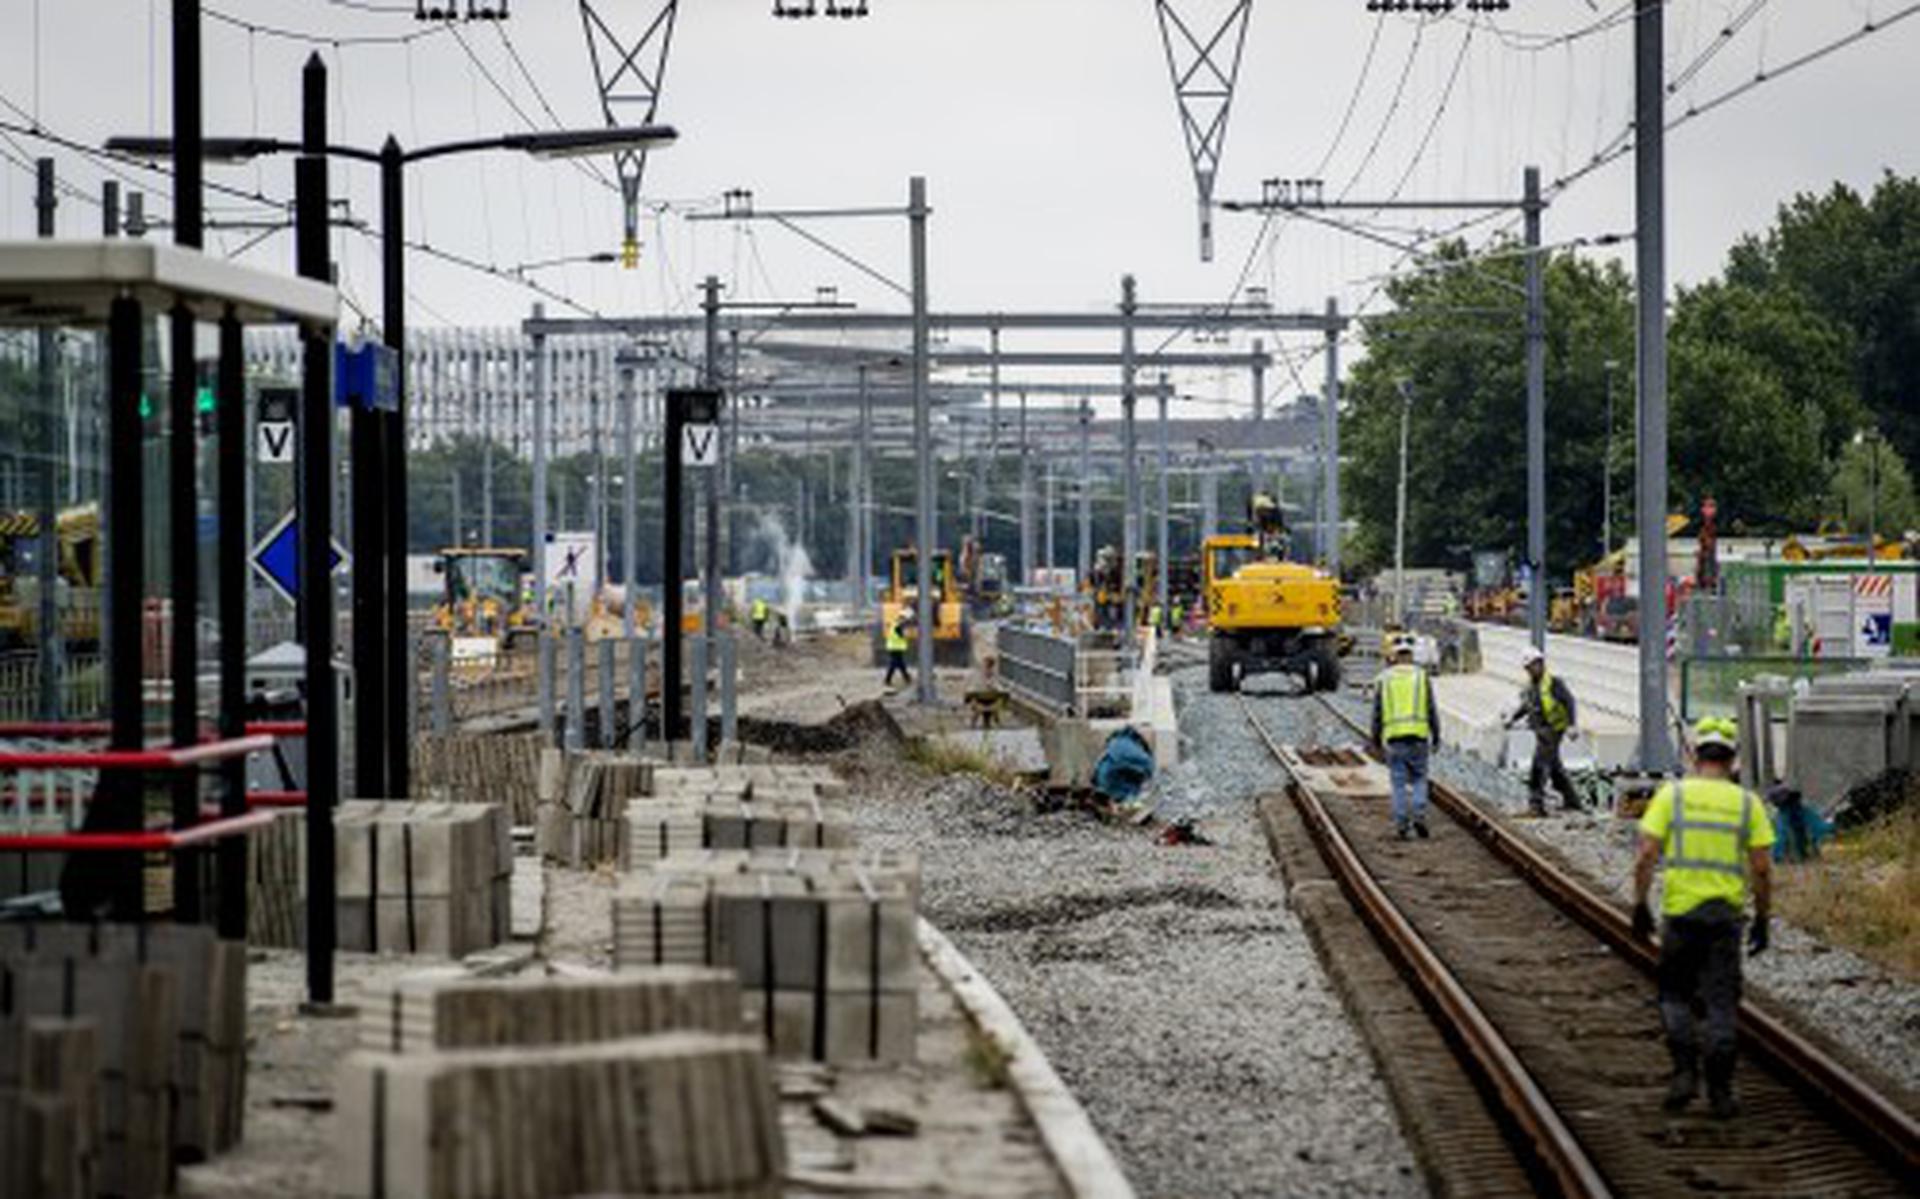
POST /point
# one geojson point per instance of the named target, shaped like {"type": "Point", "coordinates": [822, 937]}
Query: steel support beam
{"type": "Point", "coordinates": [1650, 270]}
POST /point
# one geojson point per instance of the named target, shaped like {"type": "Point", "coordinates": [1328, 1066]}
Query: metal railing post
{"type": "Point", "coordinates": [637, 694]}
{"type": "Point", "coordinates": [607, 669]}
{"type": "Point", "coordinates": [442, 697]}
{"type": "Point", "coordinates": [729, 664]}
{"type": "Point", "coordinates": [576, 690]}
{"type": "Point", "coordinates": [698, 708]}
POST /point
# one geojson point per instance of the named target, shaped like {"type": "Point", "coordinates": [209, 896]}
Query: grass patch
{"type": "Point", "coordinates": [987, 1059]}
{"type": "Point", "coordinates": [945, 757]}
{"type": "Point", "coordinates": [1863, 892]}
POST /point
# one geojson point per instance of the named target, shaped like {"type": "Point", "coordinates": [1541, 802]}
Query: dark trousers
{"type": "Point", "coordinates": [897, 660]}
{"type": "Point", "coordinates": [1700, 987]}
{"type": "Point", "coordinates": [1547, 765]}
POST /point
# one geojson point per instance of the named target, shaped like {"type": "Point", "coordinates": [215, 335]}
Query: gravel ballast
{"type": "Point", "coordinates": [1170, 986]}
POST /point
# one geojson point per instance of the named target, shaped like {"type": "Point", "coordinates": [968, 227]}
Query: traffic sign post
{"type": "Point", "coordinates": [273, 430]}
{"type": "Point", "coordinates": [688, 409]}
{"type": "Point", "coordinates": [277, 557]}
{"type": "Point", "coordinates": [700, 444]}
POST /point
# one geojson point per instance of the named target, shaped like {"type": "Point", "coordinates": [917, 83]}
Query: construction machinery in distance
{"type": "Point", "coordinates": [1265, 613]}
{"type": "Point", "coordinates": [76, 533]}
{"type": "Point", "coordinates": [485, 596]}
{"type": "Point", "coordinates": [952, 624]}
{"type": "Point", "coordinates": [983, 576]}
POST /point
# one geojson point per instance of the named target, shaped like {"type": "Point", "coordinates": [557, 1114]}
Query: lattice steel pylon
{"type": "Point", "coordinates": [630, 75]}
{"type": "Point", "coordinates": [1204, 72]}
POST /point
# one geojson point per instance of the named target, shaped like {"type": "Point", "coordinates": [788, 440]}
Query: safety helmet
{"type": "Point", "coordinates": [1717, 732]}
{"type": "Point", "coordinates": [1402, 643]}
{"type": "Point", "coordinates": [1530, 655]}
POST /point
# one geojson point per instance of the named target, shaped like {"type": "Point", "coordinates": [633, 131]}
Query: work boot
{"type": "Point", "coordinates": [1682, 1085]}
{"type": "Point", "coordinates": [1720, 1090]}
{"type": "Point", "coordinates": [1420, 829]}
{"type": "Point", "coordinates": [1400, 831]}
{"type": "Point", "coordinates": [1536, 807]}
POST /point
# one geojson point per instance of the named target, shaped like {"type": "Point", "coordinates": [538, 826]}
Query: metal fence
{"type": "Point", "coordinates": [82, 686]}
{"type": "Point", "coordinates": [1040, 667]}
{"type": "Point", "coordinates": [1739, 623]}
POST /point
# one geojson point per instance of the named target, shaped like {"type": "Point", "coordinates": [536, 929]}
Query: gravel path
{"type": "Point", "coordinates": [1838, 993]}
{"type": "Point", "coordinates": [1170, 986]}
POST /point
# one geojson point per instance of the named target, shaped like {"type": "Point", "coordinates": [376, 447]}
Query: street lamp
{"type": "Point", "coordinates": [1606, 466]}
{"type": "Point", "coordinates": [379, 439]}
{"type": "Point", "coordinates": [1871, 439]}
{"type": "Point", "coordinates": [1400, 515]}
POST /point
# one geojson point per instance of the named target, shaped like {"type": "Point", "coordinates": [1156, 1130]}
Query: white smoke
{"type": "Point", "coordinates": [791, 563]}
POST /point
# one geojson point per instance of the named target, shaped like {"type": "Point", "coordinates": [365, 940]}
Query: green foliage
{"type": "Point", "coordinates": [1871, 484]}
{"type": "Point", "coordinates": [1457, 337]}
{"type": "Point", "coordinates": [1812, 336]}
{"type": "Point", "coordinates": [1856, 260]}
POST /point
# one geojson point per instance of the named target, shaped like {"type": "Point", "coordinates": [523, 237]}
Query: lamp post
{"type": "Point", "coordinates": [1400, 509]}
{"type": "Point", "coordinates": [1606, 467]}
{"type": "Point", "coordinates": [380, 654]}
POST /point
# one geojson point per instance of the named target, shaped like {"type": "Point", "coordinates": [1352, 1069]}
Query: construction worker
{"type": "Point", "coordinates": [1715, 840]}
{"type": "Point", "coordinates": [897, 650]}
{"type": "Point", "coordinates": [759, 614]}
{"type": "Point", "coordinates": [1406, 726]}
{"type": "Point", "coordinates": [1153, 618]}
{"type": "Point", "coordinates": [1547, 706]}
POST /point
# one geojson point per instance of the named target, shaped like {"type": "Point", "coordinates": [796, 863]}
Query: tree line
{"type": "Point", "coordinates": [1794, 388]}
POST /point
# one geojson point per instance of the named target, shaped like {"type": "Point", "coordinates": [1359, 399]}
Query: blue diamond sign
{"type": "Point", "coordinates": [277, 558]}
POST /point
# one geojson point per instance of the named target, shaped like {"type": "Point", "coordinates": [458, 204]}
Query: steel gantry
{"type": "Point", "coordinates": [629, 74]}
{"type": "Point", "coordinates": [1205, 70]}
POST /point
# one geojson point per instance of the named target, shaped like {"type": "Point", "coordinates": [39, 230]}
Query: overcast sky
{"type": "Point", "coordinates": [1046, 129]}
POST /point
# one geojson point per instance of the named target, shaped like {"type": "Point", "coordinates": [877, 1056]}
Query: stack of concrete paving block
{"type": "Point", "coordinates": [749, 781]}
{"type": "Point", "coordinates": [583, 799]}
{"type": "Point", "coordinates": [824, 945]}
{"type": "Point", "coordinates": [431, 878]}
{"type": "Point", "coordinates": [276, 880]}
{"type": "Point", "coordinates": [169, 1006]}
{"type": "Point", "coordinates": [481, 768]}
{"type": "Point", "coordinates": [50, 1136]}
{"type": "Point", "coordinates": [678, 1114]}
{"type": "Point", "coordinates": [431, 1012]}
{"type": "Point", "coordinates": [659, 827]}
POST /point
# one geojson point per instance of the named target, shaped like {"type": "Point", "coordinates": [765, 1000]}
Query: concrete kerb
{"type": "Point", "coordinates": [1085, 1163]}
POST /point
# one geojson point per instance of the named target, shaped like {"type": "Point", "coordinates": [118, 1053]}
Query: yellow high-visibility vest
{"type": "Point", "coordinates": [1403, 704]}
{"type": "Point", "coordinates": [1706, 828]}
{"type": "Point", "coordinates": [759, 609]}
{"type": "Point", "coordinates": [897, 637]}
{"type": "Point", "coordinates": [1551, 709]}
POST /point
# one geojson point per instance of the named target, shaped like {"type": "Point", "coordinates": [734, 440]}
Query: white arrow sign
{"type": "Point", "coordinates": [700, 445]}
{"type": "Point", "coordinates": [273, 442]}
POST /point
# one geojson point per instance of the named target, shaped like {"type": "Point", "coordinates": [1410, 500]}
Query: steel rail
{"type": "Point", "coordinates": [1549, 1145]}
{"type": "Point", "coordinates": [1891, 1130]}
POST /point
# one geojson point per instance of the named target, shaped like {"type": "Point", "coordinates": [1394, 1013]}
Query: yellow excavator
{"type": "Point", "coordinates": [1265, 613]}
{"type": "Point", "coordinates": [76, 534]}
{"type": "Point", "coordinates": [484, 596]}
{"type": "Point", "coordinates": [952, 627]}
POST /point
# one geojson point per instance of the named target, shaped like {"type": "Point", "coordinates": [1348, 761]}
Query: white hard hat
{"type": "Point", "coordinates": [1402, 643]}
{"type": "Point", "coordinates": [1530, 655]}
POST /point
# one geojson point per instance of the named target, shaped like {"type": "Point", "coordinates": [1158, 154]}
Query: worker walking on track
{"type": "Point", "coordinates": [1547, 706]}
{"type": "Point", "coordinates": [1715, 841]}
{"type": "Point", "coordinates": [1406, 726]}
{"type": "Point", "coordinates": [897, 650]}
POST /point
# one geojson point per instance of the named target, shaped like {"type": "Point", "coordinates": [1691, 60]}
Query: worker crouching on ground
{"type": "Point", "coordinates": [1547, 706]}
{"type": "Point", "coordinates": [897, 651]}
{"type": "Point", "coordinates": [1715, 840]}
{"type": "Point", "coordinates": [1406, 725]}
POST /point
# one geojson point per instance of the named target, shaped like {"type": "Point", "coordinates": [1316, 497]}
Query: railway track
{"type": "Point", "coordinates": [1546, 1002]}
